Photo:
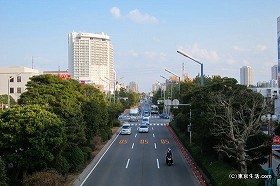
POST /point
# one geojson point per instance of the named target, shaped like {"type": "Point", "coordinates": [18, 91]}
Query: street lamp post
{"type": "Point", "coordinates": [115, 81]}
{"type": "Point", "coordinates": [176, 76]}
{"type": "Point", "coordinates": [171, 85]}
{"type": "Point", "coordinates": [109, 89]}
{"type": "Point", "coordinates": [160, 89]}
{"type": "Point", "coordinates": [201, 66]}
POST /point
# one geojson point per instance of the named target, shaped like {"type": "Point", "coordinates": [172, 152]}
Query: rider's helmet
{"type": "Point", "coordinates": [168, 150]}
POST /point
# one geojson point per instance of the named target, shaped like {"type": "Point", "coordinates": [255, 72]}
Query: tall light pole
{"type": "Point", "coordinates": [115, 81]}
{"type": "Point", "coordinates": [201, 65]}
{"type": "Point", "coordinates": [109, 88]}
{"type": "Point", "coordinates": [176, 76]}
{"type": "Point", "coordinates": [171, 85]}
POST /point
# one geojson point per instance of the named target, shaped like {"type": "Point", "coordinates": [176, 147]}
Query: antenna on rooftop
{"type": "Point", "coordinates": [32, 62]}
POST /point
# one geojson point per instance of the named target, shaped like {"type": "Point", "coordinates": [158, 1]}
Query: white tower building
{"type": "Point", "coordinates": [274, 72]}
{"type": "Point", "coordinates": [278, 43]}
{"type": "Point", "coordinates": [90, 59]}
{"type": "Point", "coordinates": [246, 76]}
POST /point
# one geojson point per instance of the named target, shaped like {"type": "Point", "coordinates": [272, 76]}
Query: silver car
{"type": "Point", "coordinates": [126, 129]}
{"type": "Point", "coordinates": [143, 128]}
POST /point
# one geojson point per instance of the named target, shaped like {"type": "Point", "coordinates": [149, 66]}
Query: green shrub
{"type": "Point", "coordinates": [217, 171]}
{"type": "Point", "coordinates": [87, 152]}
{"type": "Point", "coordinates": [61, 165]}
{"type": "Point", "coordinates": [75, 157]}
{"type": "Point", "coordinates": [116, 122]}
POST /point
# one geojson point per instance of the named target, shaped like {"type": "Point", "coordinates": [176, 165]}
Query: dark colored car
{"type": "Point", "coordinates": [164, 116]}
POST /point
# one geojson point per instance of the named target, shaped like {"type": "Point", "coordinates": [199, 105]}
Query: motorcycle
{"type": "Point", "coordinates": [169, 160]}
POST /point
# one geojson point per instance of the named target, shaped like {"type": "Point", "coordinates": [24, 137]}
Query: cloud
{"type": "Point", "coordinates": [155, 55]}
{"type": "Point", "coordinates": [138, 17]}
{"type": "Point", "coordinates": [261, 47]}
{"type": "Point", "coordinates": [115, 11]}
{"type": "Point", "coordinates": [257, 47]}
{"type": "Point", "coordinates": [231, 61]}
{"type": "Point", "coordinates": [239, 49]}
{"type": "Point", "coordinates": [201, 54]}
{"type": "Point", "coordinates": [130, 53]}
{"type": "Point", "coordinates": [135, 16]}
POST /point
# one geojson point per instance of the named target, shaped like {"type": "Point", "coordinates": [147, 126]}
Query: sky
{"type": "Point", "coordinates": [223, 35]}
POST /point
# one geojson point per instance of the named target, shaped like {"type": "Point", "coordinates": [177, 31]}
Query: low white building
{"type": "Point", "coordinates": [14, 79]}
{"type": "Point", "coordinates": [271, 92]}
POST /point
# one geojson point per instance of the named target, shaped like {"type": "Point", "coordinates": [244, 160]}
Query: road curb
{"type": "Point", "coordinates": [94, 161]}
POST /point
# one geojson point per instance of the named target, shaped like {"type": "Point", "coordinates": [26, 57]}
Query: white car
{"type": "Point", "coordinates": [126, 128]}
{"type": "Point", "coordinates": [146, 120]}
{"type": "Point", "coordinates": [143, 128]}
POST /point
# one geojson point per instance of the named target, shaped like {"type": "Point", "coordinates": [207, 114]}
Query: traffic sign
{"type": "Point", "coordinates": [175, 103]}
{"type": "Point", "coordinates": [276, 140]}
{"type": "Point", "coordinates": [275, 147]}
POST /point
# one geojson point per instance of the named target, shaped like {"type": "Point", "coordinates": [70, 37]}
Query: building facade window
{"type": "Point", "coordinates": [19, 90]}
{"type": "Point", "coordinates": [18, 78]}
{"type": "Point", "coordinates": [12, 90]}
{"type": "Point", "coordinates": [11, 79]}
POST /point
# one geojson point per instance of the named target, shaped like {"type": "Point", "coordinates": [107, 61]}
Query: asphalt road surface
{"type": "Point", "coordinates": [139, 160]}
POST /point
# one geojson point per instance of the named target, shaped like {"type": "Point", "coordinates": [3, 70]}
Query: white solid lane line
{"type": "Point", "coordinates": [99, 160]}
{"type": "Point", "coordinates": [127, 163]}
{"type": "Point", "coordinates": [157, 164]}
{"type": "Point", "coordinates": [132, 146]}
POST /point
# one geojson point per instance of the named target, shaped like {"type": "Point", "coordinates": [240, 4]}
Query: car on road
{"type": "Point", "coordinates": [146, 120]}
{"type": "Point", "coordinates": [164, 116]}
{"type": "Point", "coordinates": [126, 128]}
{"type": "Point", "coordinates": [143, 128]}
{"type": "Point", "coordinates": [146, 113]}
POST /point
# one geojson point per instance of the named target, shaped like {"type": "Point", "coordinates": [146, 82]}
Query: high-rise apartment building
{"type": "Point", "coordinates": [246, 76]}
{"type": "Point", "coordinates": [278, 42]}
{"type": "Point", "coordinates": [90, 59]}
{"type": "Point", "coordinates": [274, 72]}
{"type": "Point", "coordinates": [133, 86]}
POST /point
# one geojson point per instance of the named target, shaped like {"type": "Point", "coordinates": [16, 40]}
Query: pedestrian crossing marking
{"type": "Point", "coordinates": [151, 124]}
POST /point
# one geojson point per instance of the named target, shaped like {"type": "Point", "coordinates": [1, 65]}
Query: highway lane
{"type": "Point", "coordinates": [139, 160]}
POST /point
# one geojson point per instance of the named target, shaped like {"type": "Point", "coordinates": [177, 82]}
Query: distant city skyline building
{"type": "Point", "coordinates": [278, 42]}
{"type": "Point", "coordinates": [246, 76]}
{"type": "Point", "coordinates": [133, 86]}
{"type": "Point", "coordinates": [90, 59]}
{"type": "Point", "coordinates": [274, 72]}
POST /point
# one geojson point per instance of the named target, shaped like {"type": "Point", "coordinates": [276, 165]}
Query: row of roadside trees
{"type": "Point", "coordinates": [54, 126]}
{"type": "Point", "coordinates": [226, 126]}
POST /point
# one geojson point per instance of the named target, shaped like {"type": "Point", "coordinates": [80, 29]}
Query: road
{"type": "Point", "coordinates": [139, 160]}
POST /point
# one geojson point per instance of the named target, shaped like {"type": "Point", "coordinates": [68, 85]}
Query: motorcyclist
{"type": "Point", "coordinates": [169, 154]}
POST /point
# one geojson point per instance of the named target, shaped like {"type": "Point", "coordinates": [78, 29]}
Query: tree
{"type": "Point", "coordinates": [4, 99]}
{"type": "Point", "coordinates": [94, 108]}
{"type": "Point", "coordinates": [61, 97]}
{"type": "Point", "coordinates": [236, 118]}
{"type": "Point", "coordinates": [3, 176]}
{"type": "Point", "coordinates": [31, 137]}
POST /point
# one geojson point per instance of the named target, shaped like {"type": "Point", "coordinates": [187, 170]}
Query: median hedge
{"type": "Point", "coordinates": [217, 172]}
